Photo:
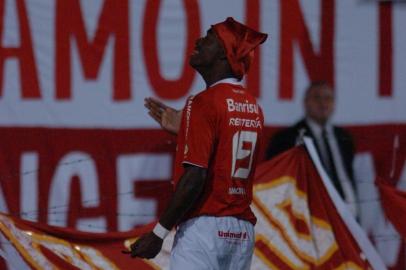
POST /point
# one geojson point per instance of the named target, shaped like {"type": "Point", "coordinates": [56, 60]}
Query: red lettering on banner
{"type": "Point", "coordinates": [24, 53]}
{"type": "Point", "coordinates": [113, 22]}
{"type": "Point", "coordinates": [9, 187]}
{"type": "Point", "coordinates": [148, 189]}
{"type": "Point", "coordinates": [77, 179]}
{"type": "Point", "coordinates": [319, 65]}
{"type": "Point", "coordinates": [385, 49]}
{"type": "Point", "coordinates": [169, 89]}
{"type": "Point", "coordinates": [77, 175]}
{"type": "Point", "coordinates": [77, 208]}
{"type": "Point", "coordinates": [252, 19]}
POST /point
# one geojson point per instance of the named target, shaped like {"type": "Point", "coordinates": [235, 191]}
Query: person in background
{"type": "Point", "coordinates": [218, 135]}
{"type": "Point", "coordinates": [334, 144]}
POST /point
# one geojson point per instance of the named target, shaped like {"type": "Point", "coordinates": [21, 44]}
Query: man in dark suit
{"type": "Point", "coordinates": [334, 144]}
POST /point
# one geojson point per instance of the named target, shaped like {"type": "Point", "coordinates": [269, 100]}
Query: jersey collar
{"type": "Point", "coordinates": [229, 81]}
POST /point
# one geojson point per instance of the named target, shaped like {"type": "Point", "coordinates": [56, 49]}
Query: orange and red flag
{"type": "Point", "coordinates": [302, 224]}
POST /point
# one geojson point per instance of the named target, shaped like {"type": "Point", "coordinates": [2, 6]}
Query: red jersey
{"type": "Point", "coordinates": [220, 130]}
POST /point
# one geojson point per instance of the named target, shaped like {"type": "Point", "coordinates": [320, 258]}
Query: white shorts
{"type": "Point", "coordinates": [211, 243]}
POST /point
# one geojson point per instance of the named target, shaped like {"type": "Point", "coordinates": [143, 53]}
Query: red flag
{"type": "Point", "coordinates": [394, 204]}
{"type": "Point", "coordinates": [29, 245]}
{"type": "Point", "coordinates": [299, 225]}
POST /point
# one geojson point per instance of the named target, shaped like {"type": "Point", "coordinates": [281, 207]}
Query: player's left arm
{"type": "Point", "coordinates": [168, 118]}
{"type": "Point", "coordinates": [188, 190]}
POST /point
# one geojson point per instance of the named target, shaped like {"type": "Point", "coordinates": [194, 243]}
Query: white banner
{"type": "Point", "coordinates": [90, 63]}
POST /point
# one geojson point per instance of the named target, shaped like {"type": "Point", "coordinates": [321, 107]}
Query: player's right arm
{"type": "Point", "coordinates": [198, 143]}
{"type": "Point", "coordinates": [188, 191]}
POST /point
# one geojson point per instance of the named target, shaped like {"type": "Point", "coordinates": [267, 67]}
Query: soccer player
{"type": "Point", "coordinates": [218, 131]}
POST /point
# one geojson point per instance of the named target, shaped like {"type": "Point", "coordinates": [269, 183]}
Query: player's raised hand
{"type": "Point", "coordinates": [167, 117]}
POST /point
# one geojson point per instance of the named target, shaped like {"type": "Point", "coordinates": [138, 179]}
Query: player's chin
{"type": "Point", "coordinates": [194, 60]}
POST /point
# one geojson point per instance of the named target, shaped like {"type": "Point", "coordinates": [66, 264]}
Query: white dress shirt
{"type": "Point", "coordinates": [343, 178]}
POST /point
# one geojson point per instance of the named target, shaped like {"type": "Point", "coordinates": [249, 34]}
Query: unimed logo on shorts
{"type": "Point", "coordinates": [233, 235]}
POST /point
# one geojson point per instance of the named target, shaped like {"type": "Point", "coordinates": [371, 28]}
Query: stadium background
{"type": "Point", "coordinates": [79, 150]}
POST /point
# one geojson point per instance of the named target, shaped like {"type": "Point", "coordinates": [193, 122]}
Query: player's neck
{"type": "Point", "coordinates": [217, 71]}
{"type": "Point", "coordinates": [213, 77]}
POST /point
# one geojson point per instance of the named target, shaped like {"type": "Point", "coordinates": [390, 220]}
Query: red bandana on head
{"type": "Point", "coordinates": [239, 42]}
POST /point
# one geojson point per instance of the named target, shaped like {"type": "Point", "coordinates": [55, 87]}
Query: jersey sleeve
{"type": "Point", "coordinates": [200, 131]}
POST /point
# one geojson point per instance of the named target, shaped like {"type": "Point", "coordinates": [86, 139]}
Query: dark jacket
{"type": "Point", "coordinates": [286, 138]}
